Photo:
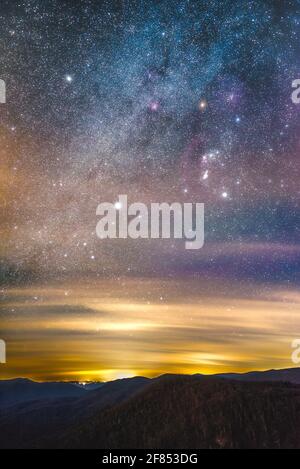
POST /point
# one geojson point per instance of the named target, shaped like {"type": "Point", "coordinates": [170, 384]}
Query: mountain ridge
{"type": "Point", "coordinates": [178, 412]}
{"type": "Point", "coordinates": [62, 411]}
{"type": "Point", "coordinates": [242, 375]}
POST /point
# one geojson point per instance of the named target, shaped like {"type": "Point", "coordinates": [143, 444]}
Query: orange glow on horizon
{"type": "Point", "coordinates": [104, 333]}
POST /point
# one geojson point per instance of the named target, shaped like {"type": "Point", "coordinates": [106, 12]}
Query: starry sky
{"type": "Point", "coordinates": [186, 101]}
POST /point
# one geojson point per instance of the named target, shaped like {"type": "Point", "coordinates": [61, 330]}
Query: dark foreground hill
{"type": "Point", "coordinates": [170, 412]}
{"type": "Point", "coordinates": [184, 412]}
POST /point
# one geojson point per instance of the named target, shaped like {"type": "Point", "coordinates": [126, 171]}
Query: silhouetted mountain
{"type": "Point", "coordinates": [113, 392]}
{"type": "Point", "coordinates": [20, 390]}
{"type": "Point", "coordinates": [185, 412]}
{"type": "Point", "coordinates": [170, 412]}
{"type": "Point", "coordinates": [15, 391]}
{"type": "Point", "coordinates": [166, 412]}
{"type": "Point", "coordinates": [291, 375]}
{"type": "Point", "coordinates": [26, 422]}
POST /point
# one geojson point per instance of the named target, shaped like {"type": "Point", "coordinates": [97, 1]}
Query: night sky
{"type": "Point", "coordinates": [186, 101]}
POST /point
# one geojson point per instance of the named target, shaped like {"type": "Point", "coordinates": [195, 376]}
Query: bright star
{"type": "Point", "coordinates": [205, 175]}
{"type": "Point", "coordinates": [203, 105]}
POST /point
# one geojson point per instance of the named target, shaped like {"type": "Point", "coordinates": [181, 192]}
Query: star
{"type": "Point", "coordinates": [154, 106]}
{"type": "Point", "coordinates": [205, 175]}
{"type": "Point", "coordinates": [202, 105]}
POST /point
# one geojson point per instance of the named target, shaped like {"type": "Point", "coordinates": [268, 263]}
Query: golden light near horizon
{"type": "Point", "coordinates": [98, 333]}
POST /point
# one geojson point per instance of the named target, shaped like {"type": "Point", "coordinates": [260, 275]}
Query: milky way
{"type": "Point", "coordinates": [164, 101]}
